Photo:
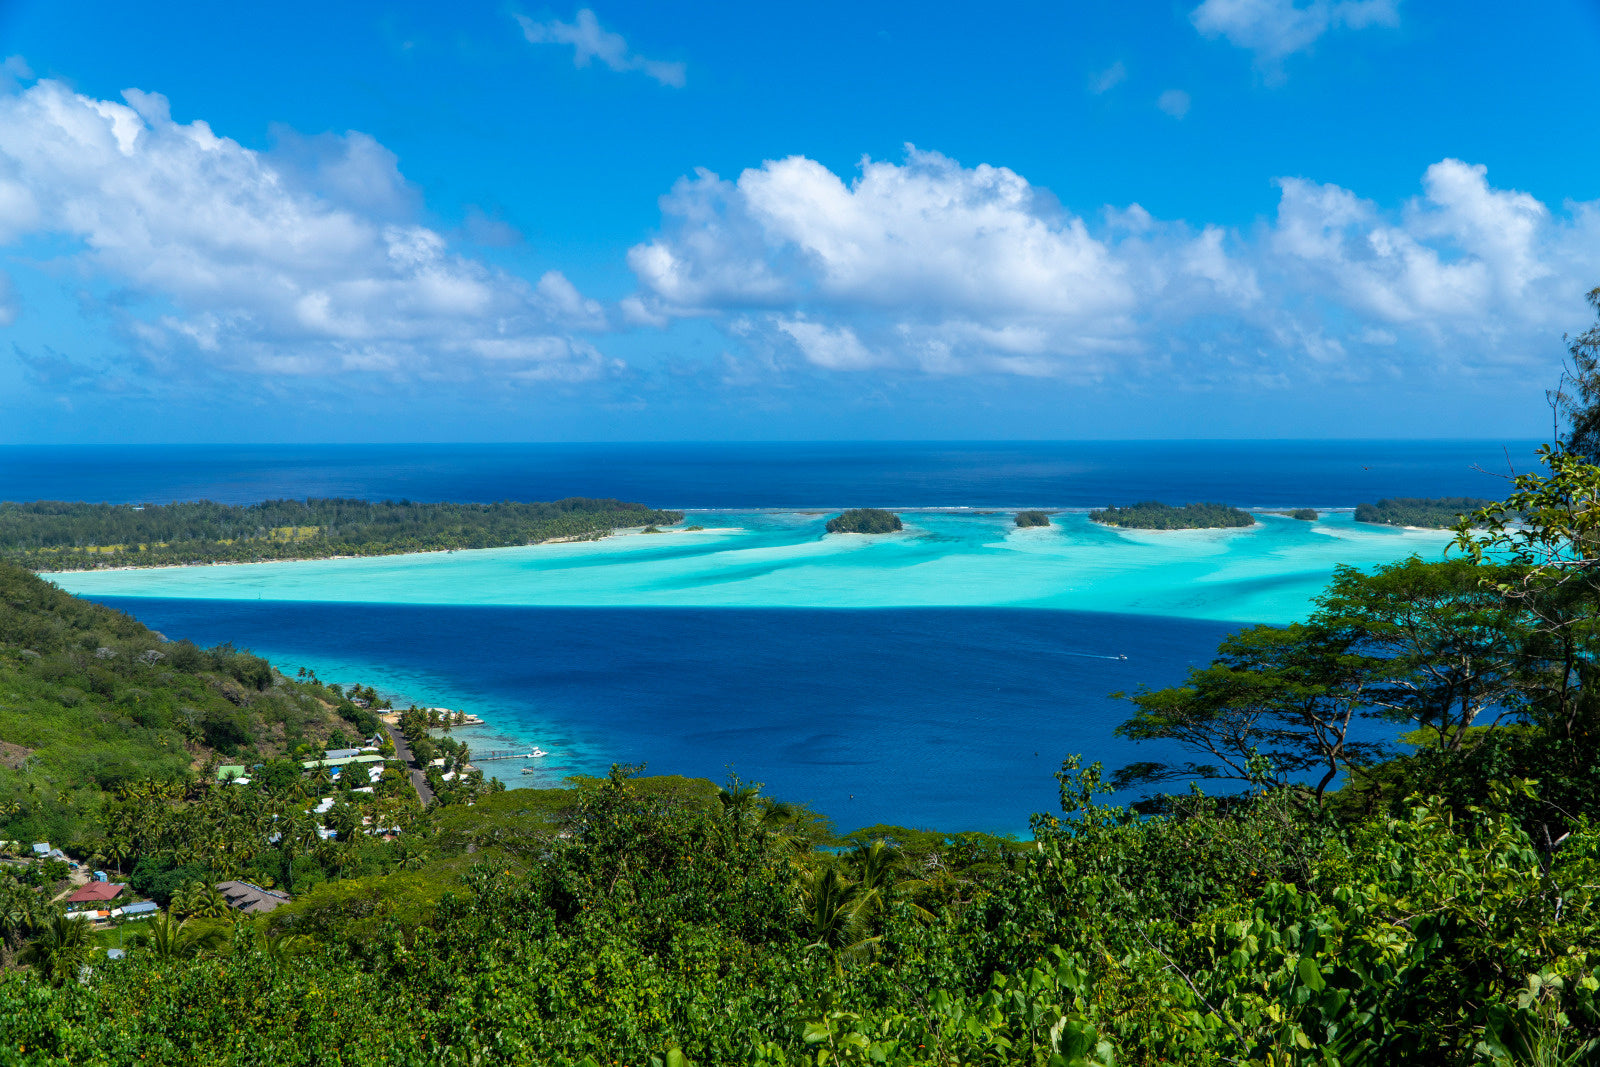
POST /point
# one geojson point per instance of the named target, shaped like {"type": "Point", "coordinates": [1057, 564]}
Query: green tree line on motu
{"type": "Point", "coordinates": [1432, 902]}
{"type": "Point", "coordinates": [865, 521]}
{"type": "Point", "coordinates": [51, 535]}
{"type": "Point", "coordinates": [1154, 515]}
{"type": "Point", "coordinates": [1440, 513]}
{"type": "Point", "coordinates": [1033, 518]}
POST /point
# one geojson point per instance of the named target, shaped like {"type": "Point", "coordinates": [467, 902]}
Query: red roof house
{"type": "Point", "coordinates": [95, 893]}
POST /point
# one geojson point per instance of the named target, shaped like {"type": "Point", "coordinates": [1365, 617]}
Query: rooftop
{"type": "Point", "coordinates": [94, 892]}
{"type": "Point", "coordinates": [251, 898]}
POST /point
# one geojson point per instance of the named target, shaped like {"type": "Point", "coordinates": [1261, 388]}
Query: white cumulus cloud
{"type": "Point", "coordinates": [590, 41]}
{"type": "Point", "coordinates": [929, 266]}
{"type": "Point", "coordinates": [303, 262]}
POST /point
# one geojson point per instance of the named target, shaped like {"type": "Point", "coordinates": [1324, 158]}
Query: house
{"type": "Point", "coordinates": [343, 753]}
{"type": "Point", "coordinates": [143, 910]}
{"type": "Point", "coordinates": [339, 761]}
{"type": "Point", "coordinates": [229, 771]}
{"type": "Point", "coordinates": [250, 898]}
{"type": "Point", "coordinates": [94, 893]}
{"type": "Point", "coordinates": [41, 849]}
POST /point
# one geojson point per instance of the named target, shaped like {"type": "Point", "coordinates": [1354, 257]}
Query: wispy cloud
{"type": "Point", "coordinates": [1275, 29]}
{"type": "Point", "coordinates": [1108, 79]}
{"type": "Point", "coordinates": [590, 41]}
{"type": "Point", "coordinates": [1174, 102]}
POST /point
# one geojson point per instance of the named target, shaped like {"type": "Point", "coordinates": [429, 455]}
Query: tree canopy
{"type": "Point", "coordinates": [1154, 515]}
{"type": "Point", "coordinates": [52, 535]}
{"type": "Point", "coordinates": [865, 521]}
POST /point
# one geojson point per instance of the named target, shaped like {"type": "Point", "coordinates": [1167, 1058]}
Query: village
{"type": "Point", "coordinates": [368, 790]}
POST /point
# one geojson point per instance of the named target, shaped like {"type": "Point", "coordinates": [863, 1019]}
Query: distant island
{"type": "Point", "coordinates": [1303, 514]}
{"type": "Point", "coordinates": [1434, 513]}
{"type": "Point", "coordinates": [56, 536]}
{"type": "Point", "coordinates": [1033, 518]}
{"type": "Point", "coordinates": [865, 521]}
{"type": "Point", "coordinates": [1153, 515]}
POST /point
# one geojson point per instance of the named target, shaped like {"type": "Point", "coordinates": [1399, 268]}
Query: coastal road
{"type": "Point", "coordinates": [419, 781]}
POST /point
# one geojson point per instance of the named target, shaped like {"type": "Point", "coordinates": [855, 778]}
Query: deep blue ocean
{"type": "Point", "coordinates": [953, 718]}
{"type": "Point", "coordinates": [774, 475]}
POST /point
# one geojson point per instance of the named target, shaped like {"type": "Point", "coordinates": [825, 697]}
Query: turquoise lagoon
{"type": "Point", "coordinates": [772, 559]}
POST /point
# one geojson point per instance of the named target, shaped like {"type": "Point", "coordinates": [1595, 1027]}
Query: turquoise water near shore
{"type": "Point", "coordinates": [774, 559]}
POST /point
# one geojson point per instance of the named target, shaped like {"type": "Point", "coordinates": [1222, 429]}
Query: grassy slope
{"type": "Point", "coordinates": [90, 698]}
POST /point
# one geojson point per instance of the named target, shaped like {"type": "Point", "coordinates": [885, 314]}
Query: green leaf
{"type": "Point", "coordinates": [1311, 974]}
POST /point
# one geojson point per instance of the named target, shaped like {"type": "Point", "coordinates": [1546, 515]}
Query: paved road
{"type": "Point", "coordinates": [419, 781]}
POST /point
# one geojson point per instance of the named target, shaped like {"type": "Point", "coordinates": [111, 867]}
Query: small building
{"type": "Point", "coordinates": [144, 909]}
{"type": "Point", "coordinates": [339, 761]}
{"type": "Point", "coordinates": [94, 893]}
{"type": "Point", "coordinates": [251, 898]}
{"type": "Point", "coordinates": [116, 953]}
{"type": "Point", "coordinates": [41, 849]}
{"type": "Point", "coordinates": [230, 771]}
{"type": "Point", "coordinates": [343, 753]}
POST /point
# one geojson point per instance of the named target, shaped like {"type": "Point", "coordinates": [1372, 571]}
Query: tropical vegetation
{"type": "Point", "coordinates": [55, 536]}
{"type": "Point", "coordinates": [1033, 518]}
{"type": "Point", "coordinates": [1439, 513]}
{"type": "Point", "coordinates": [1154, 515]}
{"type": "Point", "coordinates": [865, 521]}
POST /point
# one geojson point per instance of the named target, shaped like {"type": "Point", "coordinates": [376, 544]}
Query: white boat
{"type": "Point", "coordinates": [538, 753]}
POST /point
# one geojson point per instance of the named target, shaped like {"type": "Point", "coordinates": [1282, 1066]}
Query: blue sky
{"type": "Point", "coordinates": [1236, 218]}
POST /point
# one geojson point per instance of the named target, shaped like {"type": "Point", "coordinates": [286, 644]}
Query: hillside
{"type": "Point", "coordinates": [51, 535]}
{"type": "Point", "coordinates": [91, 700]}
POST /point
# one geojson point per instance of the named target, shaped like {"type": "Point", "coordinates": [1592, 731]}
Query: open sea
{"type": "Point", "coordinates": [930, 678]}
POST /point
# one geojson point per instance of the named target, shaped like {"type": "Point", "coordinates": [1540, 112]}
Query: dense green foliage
{"type": "Point", "coordinates": [1441, 513]}
{"type": "Point", "coordinates": [1033, 518]}
{"type": "Point", "coordinates": [638, 925]}
{"type": "Point", "coordinates": [49, 535]}
{"type": "Point", "coordinates": [865, 521]}
{"type": "Point", "coordinates": [1304, 514]}
{"type": "Point", "coordinates": [1153, 515]}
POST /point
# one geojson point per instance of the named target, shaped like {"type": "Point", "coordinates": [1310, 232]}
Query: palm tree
{"type": "Point", "coordinates": [117, 850]}
{"type": "Point", "coordinates": [166, 938]}
{"type": "Point", "coordinates": [61, 950]}
{"type": "Point", "coordinates": [210, 903]}
{"type": "Point", "coordinates": [189, 900]}
{"type": "Point", "coordinates": [280, 946]}
{"type": "Point", "coordinates": [835, 912]}
{"type": "Point", "coordinates": [21, 910]}
{"type": "Point", "coordinates": [880, 871]}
